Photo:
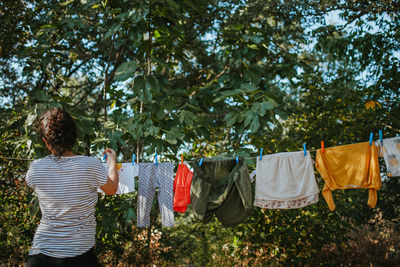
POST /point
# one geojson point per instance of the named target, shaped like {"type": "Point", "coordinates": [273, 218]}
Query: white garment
{"type": "Point", "coordinates": [391, 155]}
{"type": "Point", "coordinates": [285, 181]}
{"type": "Point", "coordinates": [127, 174]}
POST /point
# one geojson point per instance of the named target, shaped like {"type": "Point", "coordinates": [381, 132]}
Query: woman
{"type": "Point", "coordinates": [66, 186]}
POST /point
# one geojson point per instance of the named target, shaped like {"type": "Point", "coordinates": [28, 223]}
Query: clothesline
{"type": "Point", "coordinates": [11, 158]}
{"type": "Point", "coordinates": [189, 161]}
{"type": "Point", "coordinates": [285, 180]}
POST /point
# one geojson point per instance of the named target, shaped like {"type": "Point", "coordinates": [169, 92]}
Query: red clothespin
{"type": "Point", "coordinates": [322, 147]}
{"type": "Point", "coordinates": [182, 159]}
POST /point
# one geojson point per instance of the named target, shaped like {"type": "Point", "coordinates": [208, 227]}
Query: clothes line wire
{"type": "Point", "coordinates": [188, 161]}
{"type": "Point", "coordinates": [11, 158]}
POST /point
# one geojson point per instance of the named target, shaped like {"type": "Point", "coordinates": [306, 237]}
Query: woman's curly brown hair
{"type": "Point", "coordinates": [57, 127]}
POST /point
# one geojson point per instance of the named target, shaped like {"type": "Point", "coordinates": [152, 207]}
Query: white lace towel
{"type": "Point", "coordinates": [285, 181]}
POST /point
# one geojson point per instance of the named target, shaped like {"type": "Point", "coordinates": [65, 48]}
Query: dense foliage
{"type": "Point", "coordinates": [205, 78]}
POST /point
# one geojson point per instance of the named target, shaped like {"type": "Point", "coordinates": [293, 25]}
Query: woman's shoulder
{"type": "Point", "coordinates": [92, 160]}
{"type": "Point", "coordinates": [76, 158]}
{"type": "Point", "coordinates": [38, 162]}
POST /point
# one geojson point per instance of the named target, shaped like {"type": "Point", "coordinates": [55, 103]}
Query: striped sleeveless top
{"type": "Point", "coordinates": [67, 191]}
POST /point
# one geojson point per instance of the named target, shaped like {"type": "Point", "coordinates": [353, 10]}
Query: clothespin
{"type": "Point", "coordinates": [322, 147]}
{"type": "Point", "coordinates": [201, 162]}
{"type": "Point", "coordinates": [380, 143]}
{"type": "Point", "coordinates": [304, 149]}
{"type": "Point", "coordinates": [237, 159]}
{"type": "Point", "coordinates": [133, 159]}
{"type": "Point", "coordinates": [156, 159]}
{"type": "Point", "coordinates": [261, 153]}
{"type": "Point", "coordinates": [182, 159]}
{"type": "Point", "coordinates": [371, 136]}
{"type": "Point", "coordinates": [105, 156]}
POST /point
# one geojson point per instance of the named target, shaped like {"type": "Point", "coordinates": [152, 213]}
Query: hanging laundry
{"type": "Point", "coordinates": [127, 174]}
{"type": "Point", "coordinates": [285, 181]}
{"type": "Point", "coordinates": [221, 187]}
{"type": "Point", "coordinates": [151, 177]}
{"type": "Point", "coordinates": [347, 167]}
{"type": "Point", "coordinates": [182, 182]}
{"type": "Point", "coordinates": [391, 155]}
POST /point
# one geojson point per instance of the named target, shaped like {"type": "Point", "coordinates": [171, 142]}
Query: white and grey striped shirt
{"type": "Point", "coordinates": [67, 191]}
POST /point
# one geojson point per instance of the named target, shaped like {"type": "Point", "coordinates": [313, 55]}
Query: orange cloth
{"type": "Point", "coordinates": [182, 182]}
{"type": "Point", "coordinates": [349, 166]}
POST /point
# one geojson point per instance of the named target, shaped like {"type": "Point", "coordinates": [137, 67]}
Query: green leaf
{"type": "Point", "coordinates": [153, 83]}
{"type": "Point", "coordinates": [249, 117]}
{"type": "Point", "coordinates": [248, 87]}
{"type": "Point", "coordinates": [267, 105]}
{"type": "Point", "coordinates": [151, 131]}
{"type": "Point", "coordinates": [255, 124]}
{"type": "Point", "coordinates": [229, 93]}
{"type": "Point", "coordinates": [67, 3]}
{"type": "Point", "coordinates": [197, 6]}
{"type": "Point", "coordinates": [148, 96]}
{"type": "Point", "coordinates": [230, 119]}
{"type": "Point", "coordinates": [257, 107]}
{"type": "Point", "coordinates": [236, 27]}
{"type": "Point", "coordinates": [173, 136]}
{"type": "Point", "coordinates": [129, 215]}
{"type": "Point", "coordinates": [282, 114]}
{"type": "Point", "coordinates": [253, 46]}
{"type": "Point", "coordinates": [156, 34]}
{"type": "Point", "coordinates": [186, 117]}
{"type": "Point", "coordinates": [171, 139]}
{"type": "Point", "coordinates": [245, 38]}
{"type": "Point", "coordinates": [257, 39]}
{"type": "Point", "coordinates": [173, 4]}
{"type": "Point", "coordinates": [40, 95]}
{"type": "Point", "coordinates": [134, 15]}
{"type": "Point", "coordinates": [181, 117]}
{"type": "Point", "coordinates": [113, 29]}
{"type": "Point", "coordinates": [139, 87]}
{"type": "Point", "coordinates": [125, 71]}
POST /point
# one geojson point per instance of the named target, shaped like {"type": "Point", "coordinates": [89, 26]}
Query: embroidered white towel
{"type": "Point", "coordinates": [285, 181]}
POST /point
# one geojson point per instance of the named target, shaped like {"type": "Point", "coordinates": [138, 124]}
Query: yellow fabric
{"type": "Point", "coordinates": [349, 166]}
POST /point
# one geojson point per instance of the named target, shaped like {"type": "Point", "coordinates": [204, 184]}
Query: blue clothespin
{"type": "Point", "coordinates": [261, 153]}
{"type": "Point", "coordinates": [201, 162]}
{"type": "Point", "coordinates": [371, 136]}
{"type": "Point", "coordinates": [237, 159]}
{"type": "Point", "coordinates": [105, 156]}
{"type": "Point", "coordinates": [304, 149]}
{"type": "Point", "coordinates": [156, 159]}
{"type": "Point", "coordinates": [380, 136]}
{"type": "Point", "coordinates": [133, 159]}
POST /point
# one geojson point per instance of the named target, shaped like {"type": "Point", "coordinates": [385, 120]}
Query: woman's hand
{"type": "Point", "coordinates": [111, 187]}
{"type": "Point", "coordinates": [111, 156]}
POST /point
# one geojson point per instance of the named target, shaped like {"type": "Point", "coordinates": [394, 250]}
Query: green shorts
{"type": "Point", "coordinates": [221, 187]}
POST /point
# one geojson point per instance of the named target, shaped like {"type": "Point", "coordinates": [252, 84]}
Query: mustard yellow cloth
{"type": "Point", "coordinates": [349, 166]}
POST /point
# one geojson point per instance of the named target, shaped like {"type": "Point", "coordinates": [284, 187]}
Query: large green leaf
{"type": "Point", "coordinates": [112, 30]}
{"type": "Point", "coordinates": [125, 71]}
{"type": "Point", "coordinates": [255, 124]}
{"type": "Point", "coordinates": [231, 119]}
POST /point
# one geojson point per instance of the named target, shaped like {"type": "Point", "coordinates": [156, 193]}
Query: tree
{"type": "Point", "coordinates": [206, 78]}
